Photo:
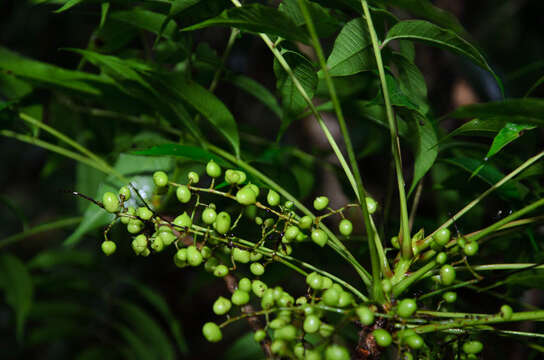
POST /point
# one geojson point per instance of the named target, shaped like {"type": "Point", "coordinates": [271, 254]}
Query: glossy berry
{"type": "Point", "coordinates": [212, 332]}
{"type": "Point", "coordinates": [345, 227]}
{"type": "Point", "coordinates": [244, 284]}
{"type": "Point", "coordinates": [232, 177]}
{"type": "Point", "coordinates": [240, 255]}
{"type": "Point", "coordinates": [327, 283]}
{"type": "Point", "coordinates": [326, 330]}
{"type": "Point", "coordinates": [256, 269]}
{"type": "Point", "coordinates": [240, 297]}
{"type": "Point", "coordinates": [259, 335]}
{"type": "Point", "coordinates": [108, 247]}
{"type": "Point", "coordinates": [273, 198]}
{"type": "Point", "coordinates": [139, 244]}
{"type": "Point", "coordinates": [246, 196]}
{"type": "Point", "coordinates": [194, 257]}
{"type": "Point", "coordinates": [291, 232]}
{"type": "Point", "coordinates": [289, 204]}
{"type": "Point", "coordinates": [255, 188]}
{"type": "Point", "coordinates": [134, 226]}
{"type": "Point", "coordinates": [157, 244]}
{"type": "Point", "coordinates": [183, 220]}
{"type": "Point", "coordinates": [314, 280]}
{"type": "Point", "coordinates": [124, 192]}
{"type": "Point", "coordinates": [331, 296]}
{"type": "Point", "coordinates": [414, 342]}
{"type": "Point", "coordinates": [387, 286]}
{"type": "Point", "coordinates": [181, 254]}
{"type": "Point", "coordinates": [208, 216]}
{"type": "Point", "coordinates": [366, 316]}
{"type": "Point", "coordinates": [221, 306]}
{"type": "Point", "coordinates": [449, 297]}
{"type": "Point", "coordinates": [371, 205]}
{"type": "Point", "coordinates": [321, 202]}
{"type": "Point", "coordinates": [287, 332]}
{"type": "Point", "coordinates": [473, 347]}
{"type": "Point", "coordinates": [345, 299]}
{"type": "Point", "coordinates": [447, 275]}
{"type": "Point", "coordinates": [441, 258]}
{"type": "Point", "coordinates": [193, 177]}
{"type": "Point", "coordinates": [305, 222]}
{"type": "Point", "coordinates": [183, 194]}
{"type": "Point", "coordinates": [167, 238]}
{"type": "Point", "coordinates": [336, 352]}
{"type": "Point", "coordinates": [160, 178]}
{"type": "Point", "coordinates": [383, 338]}
{"type": "Point", "coordinates": [406, 308]}
{"type": "Point", "coordinates": [442, 236]}
{"type": "Point", "coordinates": [110, 202]}
{"type": "Point", "coordinates": [213, 170]}
{"type": "Point", "coordinates": [471, 248]}
{"type": "Point", "coordinates": [311, 324]}
{"type": "Point", "coordinates": [319, 237]}
{"type": "Point", "coordinates": [144, 213]}
{"type": "Point", "coordinates": [221, 270]}
{"type": "Point", "coordinates": [222, 222]}
{"type": "Point", "coordinates": [258, 287]}
{"type": "Point", "coordinates": [506, 312]}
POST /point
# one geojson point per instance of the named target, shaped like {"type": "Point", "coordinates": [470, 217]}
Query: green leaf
{"type": "Point", "coordinates": [325, 24]}
{"type": "Point", "coordinates": [506, 135]}
{"type": "Point", "coordinates": [256, 18]}
{"type": "Point", "coordinates": [479, 127]}
{"type": "Point", "coordinates": [18, 289]}
{"type": "Point", "coordinates": [46, 260]}
{"type": "Point", "coordinates": [176, 7]}
{"type": "Point", "coordinates": [424, 31]}
{"type": "Point", "coordinates": [291, 100]}
{"type": "Point", "coordinates": [425, 146]}
{"type": "Point", "coordinates": [352, 51]}
{"type": "Point", "coordinates": [205, 103]}
{"type": "Point", "coordinates": [411, 81]}
{"type": "Point", "coordinates": [68, 5]}
{"type": "Point", "coordinates": [244, 348]}
{"type": "Point", "coordinates": [184, 151]}
{"type": "Point", "coordinates": [104, 10]}
{"type": "Point", "coordinates": [146, 20]}
{"type": "Point", "coordinates": [257, 90]}
{"type": "Point", "coordinates": [491, 175]}
{"type": "Point", "coordinates": [527, 110]}
{"type": "Point", "coordinates": [375, 113]}
{"type": "Point", "coordinates": [138, 349]}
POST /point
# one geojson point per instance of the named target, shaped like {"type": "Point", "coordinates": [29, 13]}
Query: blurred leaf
{"type": "Point", "coordinates": [87, 181]}
{"type": "Point", "coordinates": [375, 113]}
{"type": "Point", "coordinates": [42, 310]}
{"type": "Point", "coordinates": [426, 149]}
{"type": "Point", "coordinates": [506, 135]}
{"type": "Point", "coordinates": [244, 348]}
{"type": "Point", "coordinates": [146, 20]}
{"type": "Point", "coordinates": [254, 88]}
{"type": "Point", "coordinates": [57, 330]}
{"type": "Point", "coordinates": [137, 348]}
{"type": "Point", "coordinates": [104, 10]}
{"type": "Point", "coordinates": [16, 210]}
{"type": "Point", "coordinates": [324, 23]}
{"type": "Point", "coordinates": [305, 179]}
{"type": "Point", "coordinates": [97, 353]}
{"type": "Point", "coordinates": [68, 5]}
{"type": "Point", "coordinates": [291, 100]}
{"type": "Point", "coordinates": [420, 30]}
{"type": "Point", "coordinates": [535, 86]}
{"type": "Point", "coordinates": [185, 151]}
{"type": "Point", "coordinates": [12, 88]}
{"type": "Point", "coordinates": [256, 18]}
{"type": "Point", "coordinates": [46, 260]}
{"type": "Point", "coordinates": [16, 282]}
{"type": "Point", "coordinates": [527, 110]}
{"type": "Point", "coordinates": [352, 51]}
{"type": "Point", "coordinates": [176, 7]}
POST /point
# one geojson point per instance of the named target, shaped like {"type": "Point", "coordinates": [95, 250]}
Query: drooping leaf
{"type": "Point", "coordinates": [527, 110]}
{"type": "Point", "coordinates": [16, 282]}
{"type": "Point", "coordinates": [146, 20]}
{"type": "Point", "coordinates": [369, 110]}
{"type": "Point", "coordinates": [256, 18]}
{"type": "Point", "coordinates": [425, 149]}
{"type": "Point", "coordinates": [411, 81]}
{"type": "Point", "coordinates": [254, 88]}
{"type": "Point", "coordinates": [244, 348]}
{"type": "Point", "coordinates": [61, 257]}
{"type": "Point", "coordinates": [352, 51]}
{"type": "Point", "coordinates": [480, 127]}
{"type": "Point", "coordinates": [325, 24]}
{"type": "Point", "coordinates": [184, 151]}
{"type": "Point", "coordinates": [68, 5]}
{"type": "Point", "coordinates": [137, 347]}
{"type": "Point", "coordinates": [506, 135]}
{"type": "Point", "coordinates": [429, 33]}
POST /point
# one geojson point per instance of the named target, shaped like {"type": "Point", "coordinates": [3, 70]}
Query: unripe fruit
{"type": "Point", "coordinates": [125, 193]}
{"type": "Point", "coordinates": [321, 202]}
{"type": "Point", "coordinates": [240, 297]}
{"type": "Point", "coordinates": [139, 244]}
{"type": "Point", "coordinates": [212, 332]}
{"type": "Point", "coordinates": [327, 283]}
{"type": "Point", "coordinates": [288, 332]}
{"type": "Point", "coordinates": [110, 202]}
{"type": "Point", "coordinates": [473, 347]}
{"type": "Point", "coordinates": [449, 297]}
{"type": "Point", "coordinates": [331, 296]}
{"type": "Point", "coordinates": [267, 300]}
{"type": "Point", "coordinates": [442, 237]}
{"type": "Point", "coordinates": [414, 342]}
{"type": "Point", "coordinates": [311, 324]}
{"type": "Point", "coordinates": [256, 269]}
{"type": "Point", "coordinates": [193, 177]}
{"type": "Point", "coordinates": [183, 220]}
{"type": "Point", "coordinates": [278, 347]}
{"type": "Point", "coordinates": [144, 213]}
{"type": "Point", "coordinates": [246, 196]}
{"type": "Point", "coordinates": [258, 287]}
{"type": "Point", "coordinates": [232, 177]}
{"type": "Point", "coordinates": [240, 255]}
{"type": "Point", "coordinates": [222, 223]}
{"type": "Point", "coordinates": [336, 352]}
{"type": "Point", "coordinates": [314, 280]}
{"type": "Point", "coordinates": [134, 226]}
{"type": "Point", "coordinates": [108, 247]}
{"type": "Point", "coordinates": [255, 256]}
{"type": "Point", "coordinates": [181, 254]}
{"type": "Point", "coordinates": [255, 188]}
{"type": "Point", "coordinates": [244, 284]}
{"type": "Point", "coordinates": [130, 211]}
{"type": "Point", "coordinates": [506, 312]}
{"type": "Point", "coordinates": [395, 242]}
{"type": "Point", "coordinates": [213, 170]}
{"type": "Point", "coordinates": [471, 248]}
{"type": "Point", "coordinates": [441, 258]}
{"type": "Point", "coordinates": [383, 338]}
{"type": "Point", "coordinates": [273, 198]}
{"type": "Point", "coordinates": [259, 335]}
{"type": "Point", "coordinates": [305, 222]}
{"type": "Point", "coordinates": [291, 232]}
{"type": "Point", "coordinates": [194, 257]}
{"type": "Point", "coordinates": [366, 316]}
{"type": "Point", "coordinates": [211, 264]}
{"type": "Point", "coordinates": [371, 205]}
{"type": "Point", "coordinates": [326, 330]}
{"type": "Point", "coordinates": [345, 227]}
{"type": "Point", "coordinates": [183, 194]}
{"type": "Point", "coordinates": [319, 237]}
{"type": "Point", "coordinates": [289, 204]}
{"type": "Point", "coordinates": [298, 350]}
{"type": "Point", "coordinates": [221, 270]}
{"type": "Point", "coordinates": [312, 355]}
{"type": "Point", "coordinates": [208, 216]}
{"type": "Point", "coordinates": [387, 286]}
{"type": "Point", "coordinates": [447, 275]}
{"type": "Point", "coordinates": [160, 178]}
{"type": "Point", "coordinates": [157, 244]}
{"type": "Point", "coordinates": [221, 306]}
{"type": "Point", "coordinates": [345, 299]}
{"type": "Point", "coordinates": [406, 308]}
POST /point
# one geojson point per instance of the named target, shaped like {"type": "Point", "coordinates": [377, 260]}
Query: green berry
{"type": "Point", "coordinates": [406, 308]}
{"type": "Point", "coordinates": [291, 232]}
{"type": "Point", "coordinates": [256, 269]}
{"type": "Point", "coordinates": [299, 350]}
{"type": "Point", "coordinates": [124, 192]}
{"type": "Point", "coordinates": [211, 264]}
{"type": "Point", "coordinates": [221, 270]}
{"type": "Point", "coordinates": [289, 204]}
{"type": "Point", "coordinates": [267, 300]}
{"type": "Point", "coordinates": [331, 296]}
{"type": "Point", "coordinates": [345, 299]}
{"type": "Point", "coordinates": [506, 312]}
{"type": "Point", "coordinates": [255, 188]}
{"type": "Point", "coordinates": [319, 237]}
{"type": "Point", "coordinates": [311, 324]}
{"type": "Point", "coordinates": [221, 306]}
{"type": "Point", "coordinates": [383, 338]}
{"type": "Point", "coordinates": [326, 330]}
{"type": "Point", "coordinates": [407, 356]}
{"type": "Point", "coordinates": [473, 347]}
{"type": "Point", "coordinates": [183, 220]}
{"type": "Point", "coordinates": [232, 177]}
{"type": "Point", "coordinates": [130, 211]}
{"type": "Point", "coordinates": [301, 237]}
{"type": "Point", "coordinates": [327, 283]}
{"type": "Point", "coordinates": [134, 226]}
{"type": "Point", "coordinates": [321, 202]}
{"type": "Point", "coordinates": [305, 222]}
{"type": "Point", "coordinates": [213, 170]}
{"type": "Point", "coordinates": [471, 248]}
{"type": "Point", "coordinates": [212, 332]}
{"type": "Point", "coordinates": [345, 227]}
{"type": "Point", "coordinates": [206, 252]}
{"type": "Point", "coordinates": [244, 284]}
{"type": "Point", "coordinates": [395, 242]}
{"type": "Point", "coordinates": [183, 194]}
{"type": "Point", "coordinates": [259, 335]}
{"type": "Point", "coordinates": [208, 216]}
{"type": "Point", "coordinates": [139, 244]}
{"type": "Point", "coordinates": [258, 220]}
{"type": "Point", "coordinates": [366, 316]}
{"type": "Point", "coordinates": [314, 280]}
{"type": "Point", "coordinates": [312, 355]}
{"type": "Point", "coordinates": [144, 213]}
{"type": "Point", "coordinates": [336, 352]}
{"type": "Point", "coordinates": [246, 196]}
{"type": "Point", "coordinates": [442, 236]}
{"type": "Point", "coordinates": [258, 287]}
{"type": "Point", "coordinates": [273, 198]}
{"type": "Point", "coordinates": [222, 222]}
{"type": "Point", "coordinates": [387, 286]}
{"type": "Point", "coordinates": [278, 347]}
{"type": "Point", "coordinates": [414, 342]}
{"type": "Point", "coordinates": [181, 254]}
{"type": "Point", "coordinates": [288, 332]}
{"type": "Point", "coordinates": [449, 297]}
{"type": "Point", "coordinates": [157, 244]}
{"type": "Point", "coordinates": [160, 178]}
{"type": "Point", "coordinates": [441, 258]}
{"type": "Point", "coordinates": [108, 247]}
{"type": "Point", "coordinates": [371, 205]}
{"type": "Point", "coordinates": [269, 222]}
{"type": "Point", "coordinates": [447, 275]}
{"type": "Point", "coordinates": [241, 255]}
{"type": "Point", "coordinates": [193, 177]}
{"type": "Point", "coordinates": [194, 257]}
{"type": "Point", "coordinates": [255, 256]}
{"type": "Point", "coordinates": [240, 297]}
{"type": "Point", "coordinates": [110, 202]}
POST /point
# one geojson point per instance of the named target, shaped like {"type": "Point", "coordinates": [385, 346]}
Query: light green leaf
{"type": "Point", "coordinates": [16, 282]}
{"type": "Point", "coordinates": [352, 51]}
{"type": "Point", "coordinates": [254, 88]}
{"type": "Point", "coordinates": [68, 5]}
{"type": "Point", "coordinates": [425, 149]}
{"type": "Point", "coordinates": [424, 31]}
{"type": "Point", "coordinates": [104, 10]}
{"type": "Point", "coordinates": [479, 127]}
{"type": "Point", "coordinates": [506, 135]}
{"type": "Point", "coordinates": [256, 18]}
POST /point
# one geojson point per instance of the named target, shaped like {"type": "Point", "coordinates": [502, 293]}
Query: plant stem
{"type": "Point", "coordinates": [404, 284]}
{"type": "Point", "coordinates": [59, 224]}
{"type": "Point", "coordinates": [406, 243]}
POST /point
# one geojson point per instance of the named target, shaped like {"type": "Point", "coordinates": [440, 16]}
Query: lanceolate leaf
{"type": "Point", "coordinates": [425, 148]}
{"type": "Point", "coordinates": [176, 7]}
{"type": "Point", "coordinates": [254, 88]}
{"type": "Point", "coordinates": [325, 24]}
{"type": "Point", "coordinates": [256, 18]}
{"type": "Point", "coordinates": [352, 51]}
{"type": "Point", "coordinates": [68, 5]}
{"type": "Point", "coordinates": [480, 127]}
{"type": "Point", "coordinates": [411, 81]}
{"type": "Point", "coordinates": [184, 151]}
{"type": "Point", "coordinates": [146, 20]}
{"type": "Point", "coordinates": [424, 31]}
{"type": "Point", "coordinates": [506, 135]}
{"type": "Point", "coordinates": [531, 109]}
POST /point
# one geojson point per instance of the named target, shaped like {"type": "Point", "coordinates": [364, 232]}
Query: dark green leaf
{"type": "Point", "coordinates": [352, 51]}
{"type": "Point", "coordinates": [254, 88]}
{"type": "Point", "coordinates": [411, 81]}
{"type": "Point", "coordinates": [65, 257]}
{"type": "Point", "coordinates": [376, 113]}
{"type": "Point", "coordinates": [480, 127]}
{"type": "Point", "coordinates": [324, 23]}
{"type": "Point", "coordinates": [245, 348]}
{"type": "Point", "coordinates": [531, 109]}
{"type": "Point", "coordinates": [184, 151]}
{"type": "Point", "coordinates": [256, 18]}
{"type": "Point", "coordinates": [176, 7]}
{"type": "Point", "coordinates": [506, 135]}
{"type": "Point", "coordinates": [138, 349]}
{"type": "Point", "coordinates": [425, 146]}
{"type": "Point", "coordinates": [18, 289]}
{"type": "Point", "coordinates": [146, 20]}
{"type": "Point", "coordinates": [68, 5]}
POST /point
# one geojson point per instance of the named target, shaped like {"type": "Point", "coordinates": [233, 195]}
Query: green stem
{"type": "Point", "coordinates": [406, 247]}
{"type": "Point", "coordinates": [376, 257]}
{"type": "Point", "coordinates": [404, 284]}
{"type": "Point", "coordinates": [39, 229]}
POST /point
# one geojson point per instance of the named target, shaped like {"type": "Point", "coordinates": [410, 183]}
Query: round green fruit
{"type": "Point", "coordinates": [183, 220]}
{"type": "Point", "coordinates": [212, 169]}
{"type": "Point", "coordinates": [345, 227]}
{"type": "Point", "coordinates": [110, 202]}
{"type": "Point", "coordinates": [331, 296]}
{"type": "Point", "coordinates": [414, 342]}
{"type": "Point", "coordinates": [291, 232]}
{"type": "Point", "coordinates": [125, 193]}
{"type": "Point", "coordinates": [240, 297]}
{"type": "Point", "coordinates": [365, 314]}
{"type": "Point", "coordinates": [371, 205]}
{"type": "Point", "coordinates": [221, 270]}
{"type": "Point", "coordinates": [473, 347]}
{"type": "Point", "coordinates": [305, 222]}
{"type": "Point", "coordinates": [194, 257]}
{"type": "Point", "coordinates": [244, 284]}
{"type": "Point", "coordinates": [447, 275]}
{"type": "Point", "coordinates": [273, 198]}
{"type": "Point", "coordinates": [246, 196]}
{"type": "Point", "coordinates": [241, 255]}
{"type": "Point", "coordinates": [314, 280]}
{"type": "Point", "coordinates": [406, 308]}
{"type": "Point", "coordinates": [321, 202]}
{"type": "Point", "coordinates": [212, 332]}
{"type": "Point", "coordinates": [319, 237]}
{"type": "Point", "coordinates": [193, 177]}
{"type": "Point", "coordinates": [183, 194]}
{"type": "Point", "coordinates": [471, 248]}
{"type": "Point", "coordinates": [442, 236]}
{"type": "Point", "coordinates": [257, 269]}
{"type": "Point", "coordinates": [311, 324]}
{"type": "Point", "coordinates": [160, 178]}
{"type": "Point", "coordinates": [287, 332]}
{"type": "Point", "coordinates": [208, 216]}
{"type": "Point", "coordinates": [108, 247]}
{"type": "Point", "coordinates": [336, 352]}
{"type": "Point", "coordinates": [259, 335]}
{"type": "Point", "coordinates": [144, 213]}
{"type": "Point", "coordinates": [222, 222]}
{"type": "Point", "coordinates": [221, 306]}
{"type": "Point", "coordinates": [449, 297]}
{"type": "Point", "coordinates": [383, 338]}
{"type": "Point", "coordinates": [506, 311]}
